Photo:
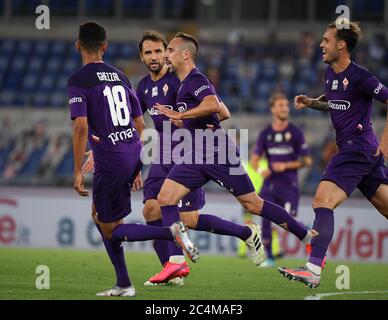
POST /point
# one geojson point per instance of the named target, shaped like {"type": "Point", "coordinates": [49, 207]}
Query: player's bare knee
{"type": "Point", "coordinates": [151, 212]}
{"type": "Point", "coordinates": [254, 207]}
{"type": "Point", "coordinates": [324, 202]}
{"type": "Point", "coordinates": [190, 219]}
{"type": "Point", "coordinates": [165, 199]}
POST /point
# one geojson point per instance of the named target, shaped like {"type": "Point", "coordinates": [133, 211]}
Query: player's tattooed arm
{"type": "Point", "coordinates": [80, 140]}
{"type": "Point", "coordinates": [320, 104]}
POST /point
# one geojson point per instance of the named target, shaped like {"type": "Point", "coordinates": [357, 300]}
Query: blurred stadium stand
{"type": "Point", "coordinates": [249, 49]}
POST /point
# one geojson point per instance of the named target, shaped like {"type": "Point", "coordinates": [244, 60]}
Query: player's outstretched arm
{"type": "Point", "coordinates": [80, 139]}
{"type": "Point", "coordinates": [383, 147]}
{"type": "Point", "coordinates": [320, 104]}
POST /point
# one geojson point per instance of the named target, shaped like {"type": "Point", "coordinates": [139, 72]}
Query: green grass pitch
{"type": "Point", "coordinates": [76, 274]}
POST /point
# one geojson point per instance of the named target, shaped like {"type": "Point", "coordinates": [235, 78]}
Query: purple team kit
{"type": "Point", "coordinates": [350, 94]}
{"type": "Point", "coordinates": [104, 95]}
{"type": "Point", "coordinates": [282, 146]}
{"type": "Point", "coordinates": [194, 88]}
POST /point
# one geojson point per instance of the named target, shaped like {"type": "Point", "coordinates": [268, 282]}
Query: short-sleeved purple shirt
{"type": "Point", "coordinates": [350, 94]}
{"type": "Point", "coordinates": [104, 95]}
{"type": "Point", "coordinates": [282, 146]}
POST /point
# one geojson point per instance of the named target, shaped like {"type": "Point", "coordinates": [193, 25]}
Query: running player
{"type": "Point", "coordinates": [106, 112]}
{"type": "Point", "coordinates": [161, 86]}
{"type": "Point", "coordinates": [359, 163]}
{"type": "Point", "coordinates": [283, 144]}
{"type": "Point", "coordinates": [199, 106]}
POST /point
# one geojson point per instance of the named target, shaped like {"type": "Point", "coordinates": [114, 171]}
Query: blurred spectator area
{"type": "Point", "coordinates": [34, 73]}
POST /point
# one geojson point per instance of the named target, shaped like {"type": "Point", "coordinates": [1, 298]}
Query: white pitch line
{"type": "Point", "coordinates": [320, 295]}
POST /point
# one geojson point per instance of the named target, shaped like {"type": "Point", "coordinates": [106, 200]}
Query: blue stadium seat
{"type": "Point", "coordinates": [40, 100]}
{"type": "Point", "coordinates": [53, 65]}
{"type": "Point", "coordinates": [6, 97]}
{"type": "Point", "coordinates": [30, 82]}
{"type": "Point", "coordinates": [62, 84]}
{"type": "Point", "coordinates": [32, 164]}
{"type": "Point", "coordinates": [8, 47]}
{"type": "Point", "coordinates": [66, 166]}
{"type": "Point", "coordinates": [35, 64]}
{"type": "Point", "coordinates": [47, 82]}
{"type": "Point", "coordinates": [41, 48]}
{"type": "Point", "coordinates": [59, 49]}
{"type": "Point", "coordinates": [58, 99]}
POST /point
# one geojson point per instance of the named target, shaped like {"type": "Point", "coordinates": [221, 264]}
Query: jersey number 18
{"type": "Point", "coordinates": [117, 101]}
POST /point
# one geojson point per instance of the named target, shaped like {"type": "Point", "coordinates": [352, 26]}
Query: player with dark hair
{"type": "Point", "coordinates": [162, 86]}
{"type": "Point", "coordinates": [199, 106]}
{"type": "Point", "coordinates": [359, 163]}
{"type": "Point", "coordinates": [106, 112]}
{"type": "Point", "coordinates": [283, 145]}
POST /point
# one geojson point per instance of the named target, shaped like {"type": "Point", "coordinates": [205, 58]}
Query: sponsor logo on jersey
{"type": "Point", "coordinates": [280, 151]}
{"type": "Point", "coordinates": [341, 105]}
{"type": "Point", "coordinates": [334, 85]}
{"type": "Point", "coordinates": [181, 106]}
{"type": "Point", "coordinates": [75, 100]}
{"type": "Point", "coordinates": [155, 112]}
{"type": "Point", "coordinates": [378, 89]}
{"type": "Point", "coordinates": [155, 92]}
{"type": "Point", "coordinates": [200, 89]}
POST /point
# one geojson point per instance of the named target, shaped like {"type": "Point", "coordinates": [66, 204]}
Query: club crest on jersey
{"type": "Point", "coordinates": [288, 136]}
{"type": "Point", "coordinates": [165, 89]}
{"type": "Point", "coordinates": [334, 85]}
{"type": "Point", "coordinates": [154, 92]}
{"type": "Point", "coordinates": [345, 83]}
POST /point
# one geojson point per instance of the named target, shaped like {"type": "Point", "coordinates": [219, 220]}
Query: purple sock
{"type": "Point", "coordinates": [116, 255]}
{"type": "Point", "coordinates": [160, 246]}
{"type": "Point", "coordinates": [324, 224]}
{"type": "Point", "coordinates": [278, 215]}
{"type": "Point", "coordinates": [139, 232]}
{"type": "Point", "coordinates": [170, 214]}
{"type": "Point", "coordinates": [267, 237]}
{"type": "Point", "coordinates": [207, 222]}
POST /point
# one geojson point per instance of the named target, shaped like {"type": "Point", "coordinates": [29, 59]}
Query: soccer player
{"type": "Point", "coordinates": [106, 112]}
{"type": "Point", "coordinates": [199, 107]}
{"type": "Point", "coordinates": [284, 146]}
{"type": "Point", "coordinates": [359, 163]}
{"type": "Point", "coordinates": [162, 86]}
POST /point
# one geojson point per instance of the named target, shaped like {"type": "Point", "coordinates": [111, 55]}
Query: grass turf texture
{"type": "Point", "coordinates": [78, 274]}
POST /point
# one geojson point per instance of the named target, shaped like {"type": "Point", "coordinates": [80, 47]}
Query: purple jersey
{"type": "Point", "coordinates": [195, 87]}
{"type": "Point", "coordinates": [281, 146]}
{"type": "Point", "coordinates": [164, 92]}
{"type": "Point", "coordinates": [104, 95]}
{"type": "Point", "coordinates": [350, 94]}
